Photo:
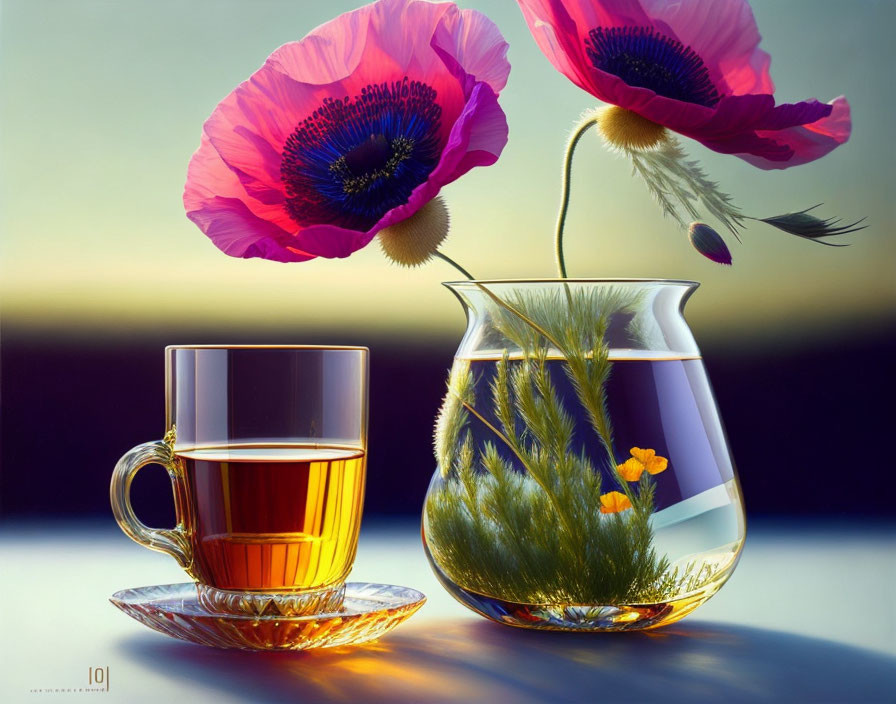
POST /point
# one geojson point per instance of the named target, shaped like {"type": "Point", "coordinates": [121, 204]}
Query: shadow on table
{"type": "Point", "coordinates": [477, 661]}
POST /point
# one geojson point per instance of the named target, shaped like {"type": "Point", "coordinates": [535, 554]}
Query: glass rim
{"type": "Point", "coordinates": [324, 348]}
{"type": "Point", "coordinates": [610, 280]}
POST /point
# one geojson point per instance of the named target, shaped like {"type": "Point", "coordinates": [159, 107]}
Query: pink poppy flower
{"type": "Point", "coordinates": [694, 67]}
{"type": "Point", "coordinates": [352, 129]}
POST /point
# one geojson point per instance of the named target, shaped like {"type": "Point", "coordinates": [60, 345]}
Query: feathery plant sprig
{"type": "Point", "coordinates": [453, 420]}
{"type": "Point", "coordinates": [537, 536]}
{"type": "Point", "coordinates": [677, 182]}
{"type": "Point", "coordinates": [576, 323]}
{"type": "Point", "coordinates": [803, 224]}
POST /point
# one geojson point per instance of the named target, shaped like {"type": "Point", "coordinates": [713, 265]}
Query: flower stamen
{"type": "Point", "coordinates": [644, 58]}
{"type": "Point", "coordinates": [356, 158]}
{"type": "Point", "coordinates": [401, 149]}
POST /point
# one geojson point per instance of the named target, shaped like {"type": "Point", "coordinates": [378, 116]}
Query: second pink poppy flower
{"type": "Point", "coordinates": [694, 67]}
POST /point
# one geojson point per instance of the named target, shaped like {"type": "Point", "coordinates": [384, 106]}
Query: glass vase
{"type": "Point", "coordinates": [584, 479]}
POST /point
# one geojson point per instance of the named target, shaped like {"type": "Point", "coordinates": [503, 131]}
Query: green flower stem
{"type": "Point", "coordinates": [501, 436]}
{"type": "Point", "coordinates": [567, 182]}
{"type": "Point", "coordinates": [519, 314]}
{"type": "Point", "coordinates": [453, 263]}
{"type": "Point", "coordinates": [594, 406]}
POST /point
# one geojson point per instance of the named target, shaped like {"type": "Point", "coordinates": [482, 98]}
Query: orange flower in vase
{"type": "Point", "coordinates": [614, 502]}
{"type": "Point", "coordinates": [641, 460]}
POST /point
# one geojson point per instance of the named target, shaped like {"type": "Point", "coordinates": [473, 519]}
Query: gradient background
{"type": "Point", "coordinates": [101, 106]}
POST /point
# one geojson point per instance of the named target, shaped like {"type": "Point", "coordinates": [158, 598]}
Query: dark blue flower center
{"type": "Point", "coordinates": [357, 158]}
{"type": "Point", "coordinates": [644, 58]}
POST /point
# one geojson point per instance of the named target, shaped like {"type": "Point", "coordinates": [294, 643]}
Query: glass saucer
{"type": "Point", "coordinates": [369, 611]}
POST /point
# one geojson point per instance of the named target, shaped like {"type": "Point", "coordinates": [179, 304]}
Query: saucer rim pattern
{"type": "Point", "coordinates": [160, 607]}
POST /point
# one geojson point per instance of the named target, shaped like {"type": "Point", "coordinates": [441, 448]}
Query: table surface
{"type": "Point", "coordinates": [807, 616]}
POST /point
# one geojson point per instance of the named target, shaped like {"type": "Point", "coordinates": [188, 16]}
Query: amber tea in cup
{"type": "Point", "coordinates": [271, 517]}
{"type": "Point", "coordinates": [266, 449]}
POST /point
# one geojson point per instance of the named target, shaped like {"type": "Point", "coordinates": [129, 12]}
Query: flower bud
{"type": "Point", "coordinates": [709, 243]}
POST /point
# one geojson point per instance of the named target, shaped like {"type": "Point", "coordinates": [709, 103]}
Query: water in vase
{"type": "Point", "coordinates": [533, 512]}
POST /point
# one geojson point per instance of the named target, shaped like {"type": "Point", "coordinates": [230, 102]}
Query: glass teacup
{"type": "Point", "coordinates": [266, 450]}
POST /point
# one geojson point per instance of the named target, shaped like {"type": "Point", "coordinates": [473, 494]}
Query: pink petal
{"type": "Point", "coordinates": [329, 53]}
{"type": "Point", "coordinates": [405, 29]}
{"type": "Point", "coordinates": [677, 115]}
{"type": "Point", "coordinates": [476, 43]}
{"type": "Point", "coordinates": [237, 224]}
{"type": "Point", "coordinates": [396, 30]}
{"type": "Point", "coordinates": [806, 142]}
{"type": "Point", "coordinates": [749, 142]}
{"type": "Point", "coordinates": [724, 34]}
{"type": "Point", "coordinates": [208, 176]}
{"type": "Point", "coordinates": [735, 114]}
{"type": "Point", "coordinates": [237, 232]}
{"type": "Point", "coordinates": [561, 38]}
{"type": "Point", "coordinates": [381, 42]}
{"type": "Point", "coordinates": [486, 136]}
{"type": "Point", "coordinates": [250, 125]}
{"type": "Point", "coordinates": [586, 14]}
{"type": "Point", "coordinates": [795, 114]}
{"type": "Point", "coordinates": [779, 137]}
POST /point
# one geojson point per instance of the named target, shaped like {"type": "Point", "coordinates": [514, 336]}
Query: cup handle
{"type": "Point", "coordinates": [173, 541]}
